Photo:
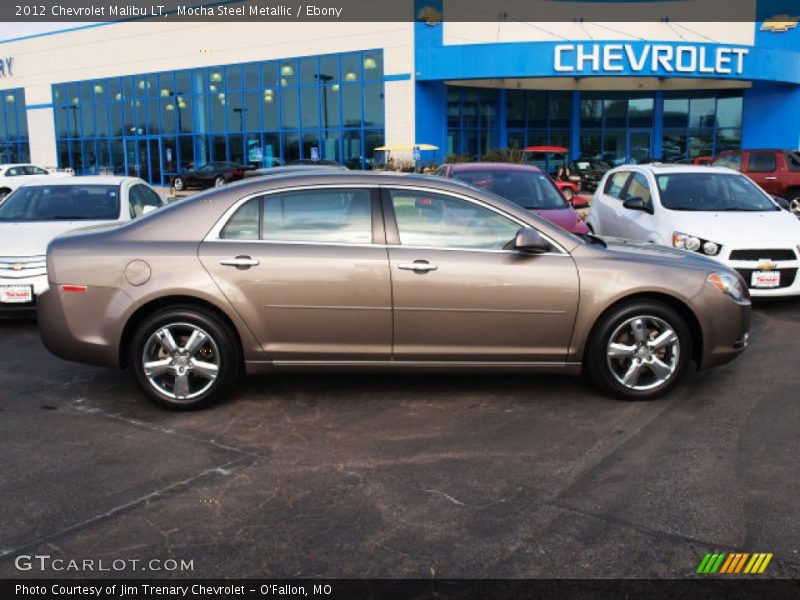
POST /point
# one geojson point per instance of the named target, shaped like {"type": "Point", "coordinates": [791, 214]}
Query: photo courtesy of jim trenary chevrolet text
{"type": "Point", "coordinates": [401, 299]}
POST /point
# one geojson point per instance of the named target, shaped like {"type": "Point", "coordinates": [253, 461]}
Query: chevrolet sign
{"type": "Point", "coordinates": [780, 23]}
{"type": "Point", "coordinates": [618, 58]}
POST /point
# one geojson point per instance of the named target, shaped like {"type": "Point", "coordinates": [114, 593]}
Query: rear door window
{"type": "Point", "coordinates": [340, 216]}
{"type": "Point", "coordinates": [761, 162]}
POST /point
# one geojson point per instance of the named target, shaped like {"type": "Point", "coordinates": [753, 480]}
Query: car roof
{"type": "Point", "coordinates": [85, 180]}
{"type": "Point", "coordinates": [667, 168]}
{"type": "Point", "coordinates": [10, 165]}
{"type": "Point", "coordinates": [492, 166]}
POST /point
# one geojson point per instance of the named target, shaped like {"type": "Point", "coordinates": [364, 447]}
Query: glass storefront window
{"type": "Point", "coordinates": [515, 108]}
{"type": "Point", "coordinates": [537, 109]}
{"type": "Point", "coordinates": [701, 112]}
{"type": "Point", "coordinates": [373, 105]}
{"type": "Point", "coordinates": [591, 112]}
{"type": "Point", "coordinates": [615, 112]}
{"type": "Point", "coordinates": [640, 112]}
{"type": "Point", "coordinates": [560, 109]}
{"type": "Point", "coordinates": [309, 107]}
{"type": "Point", "coordinates": [729, 112]}
{"type": "Point", "coordinates": [700, 143]}
{"type": "Point", "coordinates": [676, 112]}
{"type": "Point", "coordinates": [258, 113]}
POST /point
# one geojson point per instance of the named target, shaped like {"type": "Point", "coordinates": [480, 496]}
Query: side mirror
{"type": "Point", "coordinates": [782, 202]}
{"type": "Point", "coordinates": [637, 203]}
{"type": "Point", "coordinates": [529, 240]}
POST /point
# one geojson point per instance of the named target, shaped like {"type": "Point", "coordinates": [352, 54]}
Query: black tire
{"type": "Point", "coordinates": [219, 181]}
{"type": "Point", "coordinates": [179, 183]}
{"type": "Point", "coordinates": [3, 193]}
{"type": "Point", "coordinates": [605, 370]}
{"type": "Point", "coordinates": [219, 349]}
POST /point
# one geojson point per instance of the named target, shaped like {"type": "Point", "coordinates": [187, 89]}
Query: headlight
{"type": "Point", "coordinates": [727, 284]}
{"type": "Point", "coordinates": [695, 244]}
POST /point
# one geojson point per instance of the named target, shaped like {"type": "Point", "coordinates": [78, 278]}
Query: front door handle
{"type": "Point", "coordinates": [770, 178]}
{"type": "Point", "coordinates": [240, 262]}
{"type": "Point", "coordinates": [418, 267]}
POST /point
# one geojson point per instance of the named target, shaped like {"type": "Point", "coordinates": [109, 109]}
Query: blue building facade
{"type": "Point", "coordinates": [623, 99]}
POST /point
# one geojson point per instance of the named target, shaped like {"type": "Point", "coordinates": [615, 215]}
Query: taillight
{"type": "Point", "coordinates": [238, 172]}
{"type": "Point", "coordinates": [73, 288]}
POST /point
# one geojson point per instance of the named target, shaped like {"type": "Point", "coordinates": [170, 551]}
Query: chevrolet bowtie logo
{"type": "Point", "coordinates": [17, 267]}
{"type": "Point", "coordinates": [779, 23]}
{"type": "Point", "coordinates": [767, 266]}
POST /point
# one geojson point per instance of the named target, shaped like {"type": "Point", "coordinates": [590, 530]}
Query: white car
{"type": "Point", "coordinates": [713, 211]}
{"type": "Point", "coordinates": [35, 213]}
{"type": "Point", "coordinates": [14, 175]}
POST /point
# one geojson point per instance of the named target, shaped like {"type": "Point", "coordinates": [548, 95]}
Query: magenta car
{"type": "Point", "coordinates": [526, 185]}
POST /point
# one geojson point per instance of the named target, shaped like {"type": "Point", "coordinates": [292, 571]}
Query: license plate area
{"type": "Point", "coordinates": [765, 279]}
{"type": "Point", "coordinates": [16, 294]}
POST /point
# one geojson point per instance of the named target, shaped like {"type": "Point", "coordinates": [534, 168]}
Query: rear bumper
{"type": "Point", "coordinates": [80, 337]}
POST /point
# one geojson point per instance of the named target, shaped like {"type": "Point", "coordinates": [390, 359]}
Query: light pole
{"type": "Point", "coordinates": [324, 79]}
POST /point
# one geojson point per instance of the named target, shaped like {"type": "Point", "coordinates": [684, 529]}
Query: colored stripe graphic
{"type": "Point", "coordinates": [734, 563]}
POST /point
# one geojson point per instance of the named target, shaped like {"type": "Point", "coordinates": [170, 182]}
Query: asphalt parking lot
{"type": "Point", "coordinates": [404, 476]}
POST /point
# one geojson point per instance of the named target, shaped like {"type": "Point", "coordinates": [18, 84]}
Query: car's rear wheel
{"type": "Point", "coordinates": [639, 351]}
{"type": "Point", "coordinates": [184, 358]}
{"type": "Point", "coordinates": [179, 184]}
{"type": "Point", "coordinates": [219, 181]}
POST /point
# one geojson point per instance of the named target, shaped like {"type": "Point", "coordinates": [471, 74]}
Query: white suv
{"type": "Point", "coordinates": [713, 211]}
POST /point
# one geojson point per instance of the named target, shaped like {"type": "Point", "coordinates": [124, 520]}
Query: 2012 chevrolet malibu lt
{"type": "Point", "coordinates": [321, 270]}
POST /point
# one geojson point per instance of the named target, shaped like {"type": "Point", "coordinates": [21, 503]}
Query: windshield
{"type": "Point", "coordinates": [62, 203]}
{"type": "Point", "coordinates": [592, 165]}
{"type": "Point", "coordinates": [529, 189]}
{"type": "Point", "coordinates": [712, 192]}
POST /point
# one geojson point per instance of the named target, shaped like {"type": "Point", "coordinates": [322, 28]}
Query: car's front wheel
{"type": "Point", "coordinates": [794, 204]}
{"type": "Point", "coordinates": [184, 357]}
{"type": "Point", "coordinates": [3, 193]}
{"type": "Point", "coordinates": [219, 181]}
{"type": "Point", "coordinates": [179, 184]}
{"type": "Point", "coordinates": [639, 351]}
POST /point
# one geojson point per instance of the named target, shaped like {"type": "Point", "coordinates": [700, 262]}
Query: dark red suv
{"type": "Point", "coordinates": [776, 171]}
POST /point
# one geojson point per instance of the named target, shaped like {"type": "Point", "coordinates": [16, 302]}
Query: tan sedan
{"type": "Point", "coordinates": [329, 270]}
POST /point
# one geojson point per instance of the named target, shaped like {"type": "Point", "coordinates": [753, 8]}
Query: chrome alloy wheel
{"type": "Point", "coordinates": [643, 353]}
{"type": "Point", "coordinates": [181, 361]}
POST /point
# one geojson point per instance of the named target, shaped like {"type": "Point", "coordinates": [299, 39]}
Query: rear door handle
{"type": "Point", "coordinates": [240, 262]}
{"type": "Point", "coordinates": [418, 267]}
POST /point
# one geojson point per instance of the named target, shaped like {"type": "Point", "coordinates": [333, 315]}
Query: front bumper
{"type": "Point", "coordinates": [775, 259]}
{"type": "Point", "coordinates": [725, 325]}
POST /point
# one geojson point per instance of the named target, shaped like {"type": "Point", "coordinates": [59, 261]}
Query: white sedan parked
{"type": "Point", "coordinates": [713, 211]}
{"type": "Point", "coordinates": [14, 175]}
{"type": "Point", "coordinates": [35, 213]}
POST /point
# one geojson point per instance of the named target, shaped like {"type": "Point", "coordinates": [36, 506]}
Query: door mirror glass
{"type": "Point", "coordinates": [529, 240]}
{"type": "Point", "coordinates": [637, 203]}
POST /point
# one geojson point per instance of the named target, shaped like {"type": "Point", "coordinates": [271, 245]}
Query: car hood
{"type": "Point", "coordinates": [31, 238]}
{"type": "Point", "coordinates": [566, 218]}
{"type": "Point", "coordinates": [630, 249]}
{"type": "Point", "coordinates": [739, 227]}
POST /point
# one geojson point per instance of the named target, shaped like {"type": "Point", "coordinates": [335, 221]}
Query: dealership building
{"type": "Point", "coordinates": [147, 98]}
